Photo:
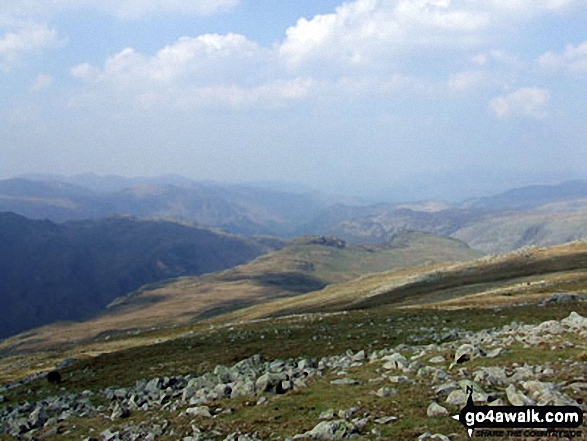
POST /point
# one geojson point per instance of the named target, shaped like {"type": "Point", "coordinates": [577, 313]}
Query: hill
{"type": "Point", "coordinates": [540, 215]}
{"type": "Point", "coordinates": [397, 368]}
{"type": "Point", "coordinates": [71, 271]}
{"type": "Point", "coordinates": [528, 216]}
{"type": "Point", "coordinates": [237, 209]}
{"type": "Point", "coordinates": [306, 264]}
{"type": "Point", "coordinates": [530, 274]}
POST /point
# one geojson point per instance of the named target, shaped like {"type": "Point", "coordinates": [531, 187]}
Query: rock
{"type": "Point", "coordinates": [345, 382]}
{"type": "Point", "coordinates": [385, 420]}
{"type": "Point", "coordinates": [467, 352]}
{"type": "Point", "coordinates": [385, 392]}
{"type": "Point", "coordinates": [261, 400]}
{"type": "Point", "coordinates": [550, 327]}
{"type": "Point", "coordinates": [37, 418]}
{"type": "Point", "coordinates": [496, 352]}
{"type": "Point", "coordinates": [336, 429]}
{"type": "Point", "coordinates": [268, 382]}
{"type": "Point", "coordinates": [575, 321]}
{"type": "Point", "coordinates": [437, 359]}
{"type": "Point", "coordinates": [242, 388]}
{"type": "Point", "coordinates": [152, 386]}
{"type": "Point", "coordinates": [559, 298]}
{"type": "Point", "coordinates": [327, 415]}
{"type": "Point", "coordinates": [119, 411]}
{"type": "Point", "coordinates": [108, 435]}
{"type": "Point", "coordinates": [445, 388]}
{"type": "Point", "coordinates": [435, 409]}
{"type": "Point", "coordinates": [399, 379]}
{"type": "Point", "coordinates": [438, 436]}
{"type": "Point", "coordinates": [395, 361]}
{"type": "Point", "coordinates": [201, 411]}
{"type": "Point", "coordinates": [237, 436]}
{"type": "Point", "coordinates": [359, 356]}
{"type": "Point", "coordinates": [457, 398]}
{"type": "Point", "coordinates": [347, 413]}
{"type": "Point", "coordinates": [517, 398]}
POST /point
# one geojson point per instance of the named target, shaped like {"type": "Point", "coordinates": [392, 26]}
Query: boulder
{"type": "Point", "coordinates": [435, 409]}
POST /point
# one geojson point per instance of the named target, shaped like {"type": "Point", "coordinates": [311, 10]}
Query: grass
{"type": "Point", "coordinates": [309, 336]}
{"type": "Point", "coordinates": [298, 268]}
{"type": "Point", "coordinates": [119, 359]}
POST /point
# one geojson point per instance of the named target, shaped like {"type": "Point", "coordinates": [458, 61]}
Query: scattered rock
{"type": "Point", "coordinates": [385, 420]}
{"type": "Point", "coordinates": [336, 429]}
{"type": "Point", "coordinates": [435, 409]}
{"type": "Point", "coordinates": [201, 411]}
{"type": "Point", "coordinates": [385, 392]}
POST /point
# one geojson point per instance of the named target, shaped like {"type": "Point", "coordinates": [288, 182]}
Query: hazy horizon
{"type": "Point", "coordinates": [388, 100]}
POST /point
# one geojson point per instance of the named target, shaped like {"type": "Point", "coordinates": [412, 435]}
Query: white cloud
{"type": "Point", "coordinates": [29, 37]}
{"type": "Point", "coordinates": [573, 59]}
{"type": "Point", "coordinates": [367, 32]}
{"type": "Point", "coordinates": [209, 57]}
{"type": "Point", "coordinates": [202, 71]}
{"type": "Point", "coordinates": [361, 32]}
{"type": "Point", "coordinates": [526, 102]}
{"type": "Point", "coordinates": [42, 81]}
{"type": "Point", "coordinates": [466, 80]}
{"type": "Point", "coordinates": [127, 9]}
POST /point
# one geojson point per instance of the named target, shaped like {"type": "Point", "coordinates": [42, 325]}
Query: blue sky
{"type": "Point", "coordinates": [393, 98]}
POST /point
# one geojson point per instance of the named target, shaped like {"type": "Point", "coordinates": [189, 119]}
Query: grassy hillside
{"type": "Point", "coordinates": [342, 359]}
{"type": "Point", "coordinates": [305, 265]}
{"type": "Point", "coordinates": [71, 271]}
{"type": "Point", "coordinates": [525, 275]}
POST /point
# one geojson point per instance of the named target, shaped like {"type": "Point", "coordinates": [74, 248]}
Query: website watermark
{"type": "Point", "coordinates": [521, 421]}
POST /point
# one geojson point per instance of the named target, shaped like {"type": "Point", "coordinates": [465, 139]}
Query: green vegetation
{"type": "Point", "coordinates": [305, 265]}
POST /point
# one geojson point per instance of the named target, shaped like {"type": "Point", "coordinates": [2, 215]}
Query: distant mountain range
{"type": "Point", "coordinates": [530, 216]}
{"type": "Point", "coordinates": [70, 271]}
{"type": "Point", "coordinates": [235, 209]}
{"type": "Point", "coordinates": [78, 243]}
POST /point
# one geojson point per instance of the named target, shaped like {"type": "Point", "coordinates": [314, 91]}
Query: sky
{"type": "Point", "coordinates": [397, 99]}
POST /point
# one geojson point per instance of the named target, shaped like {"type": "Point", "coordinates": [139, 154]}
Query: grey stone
{"type": "Point", "coordinates": [37, 418]}
{"type": "Point", "coordinates": [467, 352]}
{"type": "Point", "coordinates": [201, 411]}
{"type": "Point", "coordinates": [395, 361]}
{"type": "Point", "coordinates": [345, 382]}
{"type": "Point", "coordinates": [336, 429]}
{"type": "Point", "coordinates": [327, 415]}
{"type": "Point", "coordinates": [496, 352]}
{"type": "Point", "coordinates": [435, 409]}
{"type": "Point", "coordinates": [428, 435]}
{"type": "Point", "coordinates": [384, 392]}
{"type": "Point", "coordinates": [457, 398]}
{"type": "Point", "coordinates": [385, 420]}
{"type": "Point", "coordinates": [268, 382]}
{"type": "Point", "coordinates": [517, 398]}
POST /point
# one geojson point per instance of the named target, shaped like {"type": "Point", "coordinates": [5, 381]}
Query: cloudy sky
{"type": "Point", "coordinates": [419, 98]}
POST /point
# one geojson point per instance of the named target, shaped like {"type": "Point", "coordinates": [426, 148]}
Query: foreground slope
{"type": "Point", "coordinates": [71, 271]}
{"type": "Point", "coordinates": [395, 369]}
{"type": "Point", "coordinates": [376, 374]}
{"type": "Point", "coordinates": [305, 265]}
